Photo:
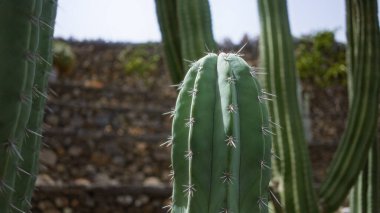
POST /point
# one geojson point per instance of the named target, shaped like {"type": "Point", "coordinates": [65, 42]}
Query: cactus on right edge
{"type": "Point", "coordinates": [360, 132]}
{"type": "Point", "coordinates": [221, 139]}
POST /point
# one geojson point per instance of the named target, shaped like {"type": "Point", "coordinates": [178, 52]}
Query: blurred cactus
{"type": "Point", "coordinates": [22, 48]}
{"type": "Point", "coordinates": [64, 58]}
{"type": "Point", "coordinates": [186, 33]}
{"type": "Point", "coordinates": [292, 168]}
{"type": "Point", "coordinates": [278, 59]}
{"type": "Point", "coordinates": [221, 139]}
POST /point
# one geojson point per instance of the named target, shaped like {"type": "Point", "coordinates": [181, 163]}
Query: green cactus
{"type": "Point", "coordinates": [22, 52]}
{"type": "Point", "coordinates": [363, 54]}
{"type": "Point", "coordinates": [221, 139]}
{"type": "Point", "coordinates": [17, 52]}
{"type": "Point", "coordinates": [28, 168]}
{"type": "Point", "coordinates": [277, 57]}
{"type": "Point", "coordinates": [364, 197]}
{"type": "Point", "coordinates": [186, 31]}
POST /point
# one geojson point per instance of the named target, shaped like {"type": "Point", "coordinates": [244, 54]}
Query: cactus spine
{"type": "Point", "coordinates": [21, 55]}
{"type": "Point", "coordinates": [28, 168]}
{"type": "Point", "coordinates": [186, 32]}
{"type": "Point", "coordinates": [221, 139]}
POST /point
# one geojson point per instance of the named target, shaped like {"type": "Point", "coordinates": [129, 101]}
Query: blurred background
{"type": "Point", "coordinates": [104, 121]}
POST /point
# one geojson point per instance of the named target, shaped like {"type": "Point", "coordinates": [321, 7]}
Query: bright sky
{"type": "Point", "coordinates": [135, 20]}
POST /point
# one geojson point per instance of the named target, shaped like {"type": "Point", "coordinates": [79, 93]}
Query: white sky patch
{"type": "Point", "coordinates": [135, 20]}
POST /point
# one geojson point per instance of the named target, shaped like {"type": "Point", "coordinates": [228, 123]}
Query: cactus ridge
{"type": "Point", "coordinates": [221, 139]}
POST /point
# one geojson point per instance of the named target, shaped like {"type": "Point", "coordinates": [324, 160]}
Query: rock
{"type": "Point", "coordinates": [44, 180]}
{"type": "Point", "coordinates": [82, 182]}
{"type": "Point", "coordinates": [75, 151]}
{"type": "Point", "coordinates": [103, 179]}
{"type": "Point", "coordinates": [152, 181]}
{"type": "Point", "coordinates": [48, 157]}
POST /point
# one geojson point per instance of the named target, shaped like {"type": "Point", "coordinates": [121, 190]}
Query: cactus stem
{"type": "Point", "coordinates": [231, 141]}
{"type": "Point", "coordinates": [189, 189]}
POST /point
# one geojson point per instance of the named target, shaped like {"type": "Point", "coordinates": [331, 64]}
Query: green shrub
{"type": "Point", "coordinates": [141, 59]}
{"type": "Point", "coordinates": [321, 60]}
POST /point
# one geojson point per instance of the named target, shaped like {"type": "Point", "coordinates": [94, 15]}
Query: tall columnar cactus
{"type": "Point", "coordinates": [277, 53]}
{"type": "Point", "coordinates": [186, 31]}
{"type": "Point", "coordinates": [20, 53]}
{"type": "Point", "coordinates": [17, 20]}
{"type": "Point", "coordinates": [28, 167]}
{"type": "Point", "coordinates": [364, 67]}
{"type": "Point", "coordinates": [366, 193]}
{"type": "Point", "coordinates": [221, 139]}
{"type": "Point", "coordinates": [277, 57]}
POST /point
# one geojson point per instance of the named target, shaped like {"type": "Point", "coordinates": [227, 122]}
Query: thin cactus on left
{"type": "Point", "coordinates": [22, 51]}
